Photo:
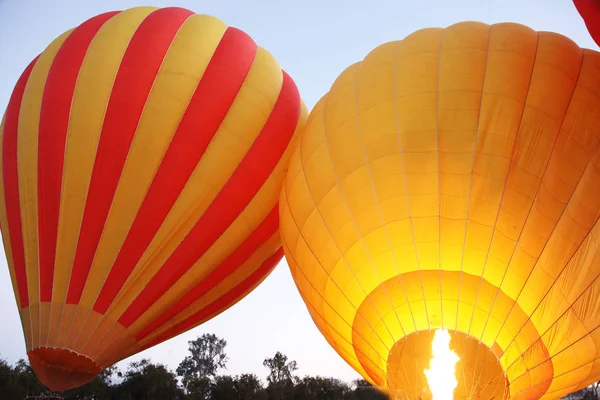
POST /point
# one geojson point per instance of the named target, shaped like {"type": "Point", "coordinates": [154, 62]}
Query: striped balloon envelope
{"type": "Point", "coordinates": [143, 153]}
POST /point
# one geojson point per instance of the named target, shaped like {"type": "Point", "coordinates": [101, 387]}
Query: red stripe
{"type": "Point", "coordinates": [54, 121]}
{"type": "Point", "coordinates": [590, 12]}
{"type": "Point", "coordinates": [10, 176]}
{"type": "Point", "coordinates": [132, 85]}
{"type": "Point", "coordinates": [227, 300]}
{"type": "Point", "coordinates": [259, 237]}
{"type": "Point", "coordinates": [211, 101]}
{"type": "Point", "coordinates": [243, 185]}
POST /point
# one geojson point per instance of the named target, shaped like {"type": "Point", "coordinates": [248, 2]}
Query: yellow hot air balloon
{"type": "Point", "coordinates": [143, 154]}
{"type": "Point", "coordinates": [451, 180]}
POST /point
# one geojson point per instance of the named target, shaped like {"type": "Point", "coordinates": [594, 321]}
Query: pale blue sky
{"type": "Point", "coordinates": [314, 40]}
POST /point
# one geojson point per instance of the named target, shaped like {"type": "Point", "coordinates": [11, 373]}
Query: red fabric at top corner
{"type": "Point", "coordinates": [590, 12]}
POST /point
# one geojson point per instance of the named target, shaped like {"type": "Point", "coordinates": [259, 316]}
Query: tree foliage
{"type": "Point", "coordinates": [207, 356]}
{"type": "Point", "coordinates": [144, 380]}
{"type": "Point", "coordinates": [280, 369]}
{"type": "Point", "coordinates": [320, 388]}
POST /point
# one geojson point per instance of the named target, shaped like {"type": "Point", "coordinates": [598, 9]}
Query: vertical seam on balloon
{"type": "Point", "coordinates": [339, 184]}
{"type": "Point", "coordinates": [89, 184]}
{"type": "Point", "coordinates": [475, 142]}
{"type": "Point", "coordinates": [6, 234]}
{"type": "Point", "coordinates": [459, 338]}
{"type": "Point", "coordinates": [182, 326]}
{"type": "Point", "coordinates": [321, 265]}
{"type": "Point", "coordinates": [346, 340]}
{"type": "Point", "coordinates": [531, 207]}
{"type": "Point", "coordinates": [580, 386]}
{"type": "Point", "coordinates": [35, 190]}
{"type": "Point", "coordinates": [383, 223]}
{"type": "Point", "coordinates": [237, 293]}
{"type": "Point", "coordinates": [300, 151]}
{"type": "Point", "coordinates": [62, 178]}
{"type": "Point", "coordinates": [508, 172]}
{"type": "Point", "coordinates": [133, 137]}
{"type": "Point", "coordinates": [20, 217]}
{"type": "Point", "coordinates": [246, 285]}
{"type": "Point", "coordinates": [158, 167]}
{"type": "Point", "coordinates": [3, 133]}
{"type": "Point", "coordinates": [271, 144]}
{"type": "Point", "coordinates": [125, 162]}
{"type": "Point", "coordinates": [405, 180]}
{"type": "Point", "coordinates": [517, 243]}
{"type": "Point", "coordinates": [437, 127]}
{"type": "Point", "coordinates": [258, 239]}
{"type": "Point", "coordinates": [547, 330]}
{"type": "Point", "coordinates": [469, 200]}
{"type": "Point", "coordinates": [96, 154]}
{"type": "Point", "coordinates": [551, 286]}
{"type": "Point", "coordinates": [397, 123]}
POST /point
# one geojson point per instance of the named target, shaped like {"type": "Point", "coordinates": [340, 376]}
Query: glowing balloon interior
{"type": "Point", "coordinates": [143, 153]}
{"type": "Point", "coordinates": [451, 180]}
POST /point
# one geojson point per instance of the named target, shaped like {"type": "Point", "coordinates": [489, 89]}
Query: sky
{"type": "Point", "coordinates": [314, 41]}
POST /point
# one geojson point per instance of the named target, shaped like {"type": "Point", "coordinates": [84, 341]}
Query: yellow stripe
{"type": "Point", "coordinates": [223, 287]}
{"type": "Point", "coordinates": [242, 227]}
{"type": "Point", "coordinates": [90, 99]}
{"type": "Point", "coordinates": [175, 83]}
{"type": "Point", "coordinates": [181, 70]}
{"type": "Point", "coordinates": [27, 158]}
{"type": "Point", "coordinates": [244, 121]}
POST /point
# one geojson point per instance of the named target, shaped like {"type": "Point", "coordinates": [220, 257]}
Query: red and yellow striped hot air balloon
{"type": "Point", "coordinates": [143, 153]}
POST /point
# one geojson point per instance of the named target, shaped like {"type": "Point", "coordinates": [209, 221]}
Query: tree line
{"type": "Point", "coordinates": [196, 378]}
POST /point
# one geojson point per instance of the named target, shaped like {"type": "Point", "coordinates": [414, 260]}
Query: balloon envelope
{"type": "Point", "coordinates": [143, 154]}
{"type": "Point", "coordinates": [452, 180]}
{"type": "Point", "coordinates": [590, 12]}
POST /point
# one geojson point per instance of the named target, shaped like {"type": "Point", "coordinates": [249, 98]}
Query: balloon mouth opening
{"type": "Point", "coordinates": [441, 375]}
{"type": "Point", "coordinates": [61, 369]}
{"type": "Point", "coordinates": [477, 371]}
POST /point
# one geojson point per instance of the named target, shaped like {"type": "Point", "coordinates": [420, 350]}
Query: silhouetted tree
{"type": "Point", "coordinates": [27, 379]}
{"type": "Point", "coordinates": [223, 388]}
{"type": "Point", "coordinates": [147, 381]}
{"type": "Point", "coordinates": [280, 369]}
{"type": "Point", "coordinates": [207, 356]}
{"type": "Point", "coordinates": [10, 382]}
{"type": "Point", "coordinates": [365, 391]}
{"type": "Point", "coordinates": [280, 379]}
{"type": "Point", "coordinates": [199, 388]}
{"type": "Point", "coordinates": [249, 387]}
{"type": "Point", "coordinates": [591, 392]}
{"type": "Point", "coordinates": [320, 388]}
{"type": "Point", "coordinates": [98, 389]}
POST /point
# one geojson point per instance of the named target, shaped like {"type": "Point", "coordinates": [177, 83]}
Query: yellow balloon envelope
{"type": "Point", "coordinates": [143, 154]}
{"type": "Point", "coordinates": [451, 180]}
